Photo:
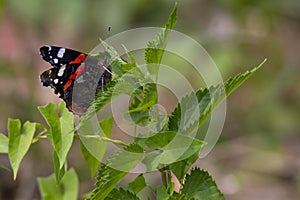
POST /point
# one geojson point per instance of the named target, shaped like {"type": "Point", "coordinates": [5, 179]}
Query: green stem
{"type": "Point", "coordinates": [105, 139]}
{"type": "Point", "coordinates": [164, 176]}
{"type": "Point", "coordinates": [39, 136]}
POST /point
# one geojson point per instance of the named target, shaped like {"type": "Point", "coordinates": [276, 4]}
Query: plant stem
{"type": "Point", "coordinates": [164, 176]}
{"type": "Point", "coordinates": [105, 139]}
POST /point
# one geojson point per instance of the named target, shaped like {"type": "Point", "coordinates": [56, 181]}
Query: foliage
{"type": "Point", "coordinates": [163, 150]}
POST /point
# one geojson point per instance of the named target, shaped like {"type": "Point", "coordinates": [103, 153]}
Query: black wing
{"type": "Point", "coordinates": [58, 56]}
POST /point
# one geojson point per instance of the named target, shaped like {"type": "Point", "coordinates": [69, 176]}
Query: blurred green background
{"type": "Point", "coordinates": [258, 154]}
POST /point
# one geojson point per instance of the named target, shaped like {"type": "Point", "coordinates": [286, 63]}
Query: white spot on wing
{"type": "Point", "coordinates": [49, 48]}
{"type": "Point", "coordinates": [61, 70]}
{"type": "Point", "coordinates": [55, 60]}
{"type": "Point", "coordinates": [61, 52]}
{"type": "Point", "coordinates": [55, 81]}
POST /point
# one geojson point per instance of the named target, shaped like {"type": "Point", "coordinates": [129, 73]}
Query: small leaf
{"type": "Point", "coordinates": [233, 83]}
{"type": "Point", "coordinates": [148, 98]}
{"type": "Point", "coordinates": [200, 185]}
{"type": "Point", "coordinates": [161, 193]}
{"type": "Point", "coordinates": [90, 134]}
{"type": "Point", "coordinates": [3, 143]}
{"type": "Point", "coordinates": [172, 147]}
{"type": "Point", "coordinates": [155, 48]}
{"type": "Point", "coordinates": [158, 140]}
{"type": "Point", "coordinates": [92, 162]}
{"type": "Point", "coordinates": [61, 129]}
{"type": "Point", "coordinates": [18, 143]}
{"type": "Point", "coordinates": [106, 126]}
{"type": "Point", "coordinates": [67, 132]}
{"type": "Point", "coordinates": [100, 148]}
{"type": "Point", "coordinates": [59, 171]}
{"type": "Point", "coordinates": [125, 160]}
{"type": "Point", "coordinates": [67, 189]}
{"type": "Point", "coordinates": [137, 184]}
{"type": "Point", "coordinates": [120, 193]}
{"type": "Point", "coordinates": [180, 168]}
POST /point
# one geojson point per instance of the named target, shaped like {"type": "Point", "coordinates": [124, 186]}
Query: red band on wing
{"type": "Point", "coordinates": [73, 76]}
{"type": "Point", "coordinates": [79, 59]}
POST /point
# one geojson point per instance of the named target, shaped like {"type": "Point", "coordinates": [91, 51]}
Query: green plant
{"type": "Point", "coordinates": [155, 151]}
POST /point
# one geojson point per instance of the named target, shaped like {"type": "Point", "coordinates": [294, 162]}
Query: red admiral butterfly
{"type": "Point", "coordinates": [75, 76]}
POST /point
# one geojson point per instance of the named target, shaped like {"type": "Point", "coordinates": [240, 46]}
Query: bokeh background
{"type": "Point", "coordinates": [258, 154]}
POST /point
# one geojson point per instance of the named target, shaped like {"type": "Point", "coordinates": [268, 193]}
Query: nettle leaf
{"type": "Point", "coordinates": [158, 140]}
{"type": "Point", "coordinates": [138, 184]}
{"type": "Point", "coordinates": [120, 193]}
{"type": "Point", "coordinates": [190, 112]}
{"type": "Point", "coordinates": [116, 168]}
{"type": "Point", "coordinates": [207, 99]}
{"type": "Point", "coordinates": [142, 100]}
{"type": "Point", "coordinates": [233, 83]}
{"type": "Point", "coordinates": [3, 143]}
{"type": "Point", "coordinates": [170, 147]}
{"type": "Point", "coordinates": [93, 148]}
{"type": "Point", "coordinates": [18, 144]}
{"type": "Point", "coordinates": [65, 190]}
{"type": "Point", "coordinates": [61, 129]}
{"type": "Point", "coordinates": [155, 48]}
{"type": "Point", "coordinates": [148, 97]}
{"type": "Point", "coordinates": [200, 185]}
{"type": "Point", "coordinates": [180, 168]}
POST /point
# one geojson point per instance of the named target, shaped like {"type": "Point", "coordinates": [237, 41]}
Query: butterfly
{"type": "Point", "coordinates": [75, 76]}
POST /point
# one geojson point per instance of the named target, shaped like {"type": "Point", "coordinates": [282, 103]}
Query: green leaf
{"type": "Point", "coordinates": [18, 143]}
{"type": "Point", "coordinates": [200, 185]}
{"type": "Point", "coordinates": [161, 193]}
{"type": "Point", "coordinates": [91, 134]}
{"type": "Point", "coordinates": [110, 174]}
{"type": "Point", "coordinates": [158, 140]}
{"type": "Point", "coordinates": [106, 125]}
{"type": "Point", "coordinates": [3, 143]}
{"type": "Point", "coordinates": [120, 193]}
{"type": "Point", "coordinates": [67, 189]}
{"type": "Point", "coordinates": [59, 171]}
{"type": "Point", "coordinates": [137, 184]}
{"type": "Point", "coordinates": [127, 158]}
{"type": "Point", "coordinates": [92, 162]}
{"type": "Point", "coordinates": [180, 168]}
{"type": "Point", "coordinates": [94, 146]}
{"type": "Point", "coordinates": [61, 129]}
{"type": "Point", "coordinates": [148, 98]}
{"type": "Point", "coordinates": [172, 148]}
{"type": "Point", "coordinates": [155, 48]}
{"type": "Point", "coordinates": [233, 83]}
{"type": "Point", "coordinates": [183, 117]}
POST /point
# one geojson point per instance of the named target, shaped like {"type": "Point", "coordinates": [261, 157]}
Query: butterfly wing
{"type": "Point", "coordinates": [70, 66]}
{"type": "Point", "coordinates": [58, 56]}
